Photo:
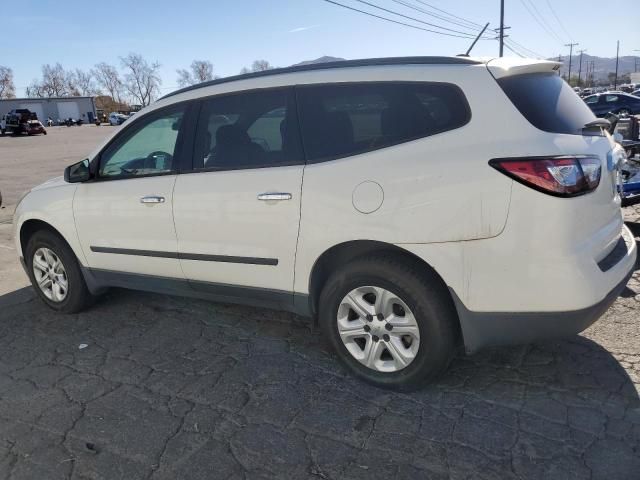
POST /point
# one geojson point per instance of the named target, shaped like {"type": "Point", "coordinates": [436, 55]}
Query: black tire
{"type": "Point", "coordinates": [422, 291]}
{"type": "Point", "coordinates": [78, 296]}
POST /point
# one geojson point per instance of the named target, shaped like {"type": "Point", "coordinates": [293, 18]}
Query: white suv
{"type": "Point", "coordinates": [410, 205]}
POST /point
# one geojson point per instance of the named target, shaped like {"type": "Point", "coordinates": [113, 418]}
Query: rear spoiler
{"type": "Point", "coordinates": [506, 67]}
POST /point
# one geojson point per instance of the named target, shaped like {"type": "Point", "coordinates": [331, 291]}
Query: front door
{"type": "Point", "coordinates": [237, 214]}
{"type": "Point", "coordinates": [124, 218]}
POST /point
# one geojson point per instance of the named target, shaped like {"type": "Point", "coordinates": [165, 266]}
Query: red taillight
{"type": "Point", "coordinates": [560, 176]}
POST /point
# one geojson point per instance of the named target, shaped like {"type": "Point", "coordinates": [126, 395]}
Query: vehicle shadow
{"type": "Point", "coordinates": [254, 380]}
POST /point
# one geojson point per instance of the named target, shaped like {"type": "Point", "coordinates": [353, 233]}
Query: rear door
{"type": "Point", "coordinates": [237, 213]}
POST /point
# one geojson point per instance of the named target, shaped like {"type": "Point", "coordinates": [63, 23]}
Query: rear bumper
{"type": "Point", "coordinates": [485, 329]}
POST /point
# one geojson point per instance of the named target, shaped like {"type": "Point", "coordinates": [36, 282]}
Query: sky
{"type": "Point", "coordinates": [233, 33]}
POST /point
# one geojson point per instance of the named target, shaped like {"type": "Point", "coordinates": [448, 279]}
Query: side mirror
{"type": "Point", "coordinates": [78, 172]}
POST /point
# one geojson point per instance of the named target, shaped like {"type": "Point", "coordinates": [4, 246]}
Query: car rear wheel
{"type": "Point", "coordinates": [390, 323]}
{"type": "Point", "coordinates": [55, 273]}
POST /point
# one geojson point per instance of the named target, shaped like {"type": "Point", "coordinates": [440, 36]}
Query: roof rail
{"type": "Point", "coordinates": [366, 62]}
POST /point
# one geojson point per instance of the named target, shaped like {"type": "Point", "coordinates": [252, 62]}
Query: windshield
{"type": "Point", "coordinates": [547, 102]}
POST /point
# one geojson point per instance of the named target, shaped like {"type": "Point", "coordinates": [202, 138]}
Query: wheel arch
{"type": "Point", "coordinates": [33, 225]}
{"type": "Point", "coordinates": [344, 252]}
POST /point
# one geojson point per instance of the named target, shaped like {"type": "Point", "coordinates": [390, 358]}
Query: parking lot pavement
{"type": "Point", "coordinates": [149, 386]}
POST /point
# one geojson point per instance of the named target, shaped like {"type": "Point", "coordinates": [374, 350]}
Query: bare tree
{"type": "Point", "coordinates": [200, 71]}
{"type": "Point", "coordinates": [261, 66]}
{"type": "Point", "coordinates": [257, 66]}
{"type": "Point", "coordinates": [83, 83]}
{"type": "Point", "coordinates": [34, 89]}
{"type": "Point", "coordinates": [108, 78]}
{"type": "Point", "coordinates": [7, 88]}
{"type": "Point", "coordinates": [56, 82]}
{"type": "Point", "coordinates": [142, 80]}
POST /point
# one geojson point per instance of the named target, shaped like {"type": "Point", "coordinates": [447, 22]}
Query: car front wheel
{"type": "Point", "coordinates": [390, 323]}
{"type": "Point", "coordinates": [55, 273]}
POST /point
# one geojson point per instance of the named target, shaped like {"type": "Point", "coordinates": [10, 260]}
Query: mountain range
{"type": "Point", "coordinates": [601, 66]}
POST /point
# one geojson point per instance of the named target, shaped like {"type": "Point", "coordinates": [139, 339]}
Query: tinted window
{"type": "Point", "coordinates": [149, 149]}
{"type": "Point", "coordinates": [547, 102]}
{"type": "Point", "coordinates": [592, 100]}
{"type": "Point", "coordinates": [346, 119]}
{"type": "Point", "coordinates": [248, 130]}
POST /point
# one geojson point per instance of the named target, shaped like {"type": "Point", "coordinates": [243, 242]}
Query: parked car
{"type": "Point", "coordinates": [34, 127]}
{"type": "Point", "coordinates": [117, 119]}
{"type": "Point", "coordinates": [619, 103]}
{"type": "Point", "coordinates": [201, 194]}
{"type": "Point", "coordinates": [586, 92]}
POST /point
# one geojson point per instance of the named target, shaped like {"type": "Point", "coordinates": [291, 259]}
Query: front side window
{"type": "Point", "coordinates": [592, 100]}
{"type": "Point", "coordinates": [248, 130]}
{"type": "Point", "coordinates": [149, 150]}
{"type": "Point", "coordinates": [347, 119]}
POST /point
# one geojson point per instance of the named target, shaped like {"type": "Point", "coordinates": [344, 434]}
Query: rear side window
{"type": "Point", "coordinates": [547, 102]}
{"type": "Point", "coordinates": [347, 119]}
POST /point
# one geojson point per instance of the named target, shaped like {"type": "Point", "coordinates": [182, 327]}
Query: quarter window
{"type": "Point", "coordinates": [248, 130]}
{"type": "Point", "coordinates": [148, 151]}
{"type": "Point", "coordinates": [347, 119]}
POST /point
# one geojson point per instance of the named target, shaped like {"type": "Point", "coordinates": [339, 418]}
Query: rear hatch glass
{"type": "Point", "coordinates": [548, 103]}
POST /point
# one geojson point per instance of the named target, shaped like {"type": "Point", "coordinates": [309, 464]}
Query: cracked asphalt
{"type": "Point", "coordinates": [175, 388]}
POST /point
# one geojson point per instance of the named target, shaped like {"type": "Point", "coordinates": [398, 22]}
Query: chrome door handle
{"type": "Point", "coordinates": [152, 199]}
{"type": "Point", "coordinates": [274, 196]}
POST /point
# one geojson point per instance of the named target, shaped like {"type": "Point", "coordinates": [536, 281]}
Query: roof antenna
{"type": "Point", "coordinates": [474, 42]}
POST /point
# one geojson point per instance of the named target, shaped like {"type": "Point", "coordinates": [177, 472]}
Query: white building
{"type": "Point", "coordinates": [56, 108]}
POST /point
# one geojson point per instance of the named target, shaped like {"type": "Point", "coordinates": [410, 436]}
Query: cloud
{"type": "Point", "coordinates": [302, 29]}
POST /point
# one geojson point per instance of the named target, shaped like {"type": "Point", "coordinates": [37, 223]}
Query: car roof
{"type": "Point", "coordinates": [367, 62]}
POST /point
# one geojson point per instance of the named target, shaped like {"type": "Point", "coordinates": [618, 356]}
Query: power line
{"type": "Point", "coordinates": [447, 13]}
{"type": "Point", "coordinates": [543, 19]}
{"type": "Point", "coordinates": [544, 27]}
{"type": "Point", "coordinates": [435, 15]}
{"type": "Point", "coordinates": [559, 21]}
{"type": "Point", "coordinates": [397, 22]}
{"type": "Point", "coordinates": [506, 44]}
{"type": "Point", "coordinates": [411, 18]}
{"type": "Point", "coordinates": [525, 49]}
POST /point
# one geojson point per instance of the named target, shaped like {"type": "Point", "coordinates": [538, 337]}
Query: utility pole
{"type": "Point", "coordinates": [635, 58]}
{"type": "Point", "coordinates": [559, 61]}
{"type": "Point", "coordinates": [580, 67]}
{"type": "Point", "coordinates": [615, 81]}
{"type": "Point", "coordinates": [501, 27]}
{"type": "Point", "coordinates": [570, 45]}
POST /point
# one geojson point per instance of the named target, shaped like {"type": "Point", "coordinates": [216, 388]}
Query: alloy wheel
{"type": "Point", "coordinates": [50, 275]}
{"type": "Point", "coordinates": [378, 329]}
